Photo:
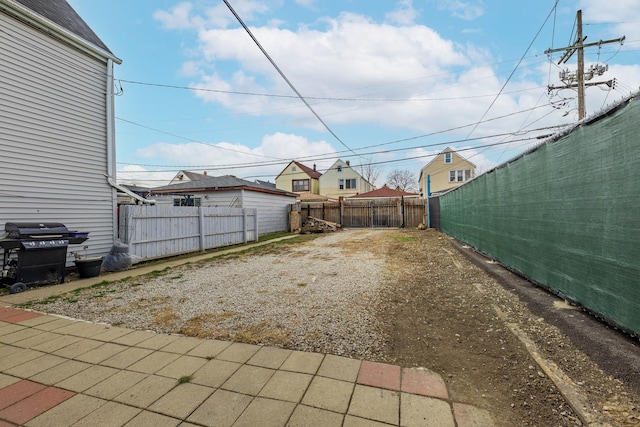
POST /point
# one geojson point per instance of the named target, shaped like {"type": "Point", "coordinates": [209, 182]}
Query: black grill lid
{"type": "Point", "coordinates": [35, 230]}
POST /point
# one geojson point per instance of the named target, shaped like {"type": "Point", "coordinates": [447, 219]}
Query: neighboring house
{"type": "Point", "coordinates": [57, 146]}
{"type": "Point", "coordinates": [385, 193]}
{"type": "Point", "coordinates": [228, 191]}
{"type": "Point", "coordinates": [341, 180]}
{"type": "Point", "coordinates": [445, 172]}
{"type": "Point", "coordinates": [266, 184]}
{"type": "Point", "coordinates": [186, 176]}
{"type": "Point", "coordinates": [298, 178]}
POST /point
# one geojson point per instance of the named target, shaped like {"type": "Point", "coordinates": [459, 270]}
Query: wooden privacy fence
{"type": "Point", "coordinates": [355, 213]}
{"type": "Point", "coordinates": [161, 231]}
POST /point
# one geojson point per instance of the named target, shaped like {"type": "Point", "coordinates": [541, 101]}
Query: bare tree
{"type": "Point", "coordinates": [402, 180]}
{"type": "Point", "coordinates": [370, 171]}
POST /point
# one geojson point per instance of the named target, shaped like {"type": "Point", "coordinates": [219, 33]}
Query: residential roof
{"type": "Point", "coordinates": [311, 197]}
{"type": "Point", "coordinates": [446, 150]}
{"type": "Point", "coordinates": [265, 183]}
{"type": "Point", "coordinates": [192, 176]}
{"type": "Point", "coordinates": [383, 192]}
{"type": "Point", "coordinates": [219, 183]}
{"type": "Point", "coordinates": [306, 169]}
{"type": "Point", "coordinates": [62, 14]}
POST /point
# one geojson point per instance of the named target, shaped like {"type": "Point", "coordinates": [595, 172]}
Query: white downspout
{"type": "Point", "coordinates": [111, 145]}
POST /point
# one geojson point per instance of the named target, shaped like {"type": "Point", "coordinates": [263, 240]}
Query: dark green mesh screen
{"type": "Point", "coordinates": [566, 215]}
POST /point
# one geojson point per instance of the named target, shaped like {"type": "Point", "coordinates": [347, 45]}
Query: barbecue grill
{"type": "Point", "coordinates": [40, 251]}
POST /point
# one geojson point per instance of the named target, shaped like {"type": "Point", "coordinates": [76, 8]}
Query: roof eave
{"type": "Point", "coordinates": [214, 189]}
{"type": "Point", "coordinates": [28, 15]}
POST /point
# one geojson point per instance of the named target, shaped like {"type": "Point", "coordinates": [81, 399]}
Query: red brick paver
{"type": "Point", "coordinates": [12, 315]}
{"type": "Point", "coordinates": [379, 375]}
{"type": "Point", "coordinates": [18, 391]}
{"type": "Point", "coordinates": [425, 382]}
{"type": "Point", "coordinates": [34, 405]}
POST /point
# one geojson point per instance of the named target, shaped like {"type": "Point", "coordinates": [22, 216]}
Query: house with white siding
{"type": "Point", "coordinates": [57, 149]}
{"type": "Point", "coordinates": [227, 191]}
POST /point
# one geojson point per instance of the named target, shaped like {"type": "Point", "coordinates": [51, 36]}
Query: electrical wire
{"type": "Point", "coordinates": [255, 40]}
{"type": "Point", "coordinates": [514, 70]}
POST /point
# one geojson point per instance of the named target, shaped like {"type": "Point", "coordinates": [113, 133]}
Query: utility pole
{"type": "Point", "coordinates": [577, 80]}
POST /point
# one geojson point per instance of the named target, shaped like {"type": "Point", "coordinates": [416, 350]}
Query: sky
{"type": "Point", "coordinates": [384, 84]}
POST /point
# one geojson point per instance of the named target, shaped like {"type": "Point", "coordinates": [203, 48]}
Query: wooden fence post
{"type": "Point", "coordinates": [371, 212]}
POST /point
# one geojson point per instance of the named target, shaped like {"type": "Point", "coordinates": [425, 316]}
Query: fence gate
{"type": "Point", "coordinates": [355, 213]}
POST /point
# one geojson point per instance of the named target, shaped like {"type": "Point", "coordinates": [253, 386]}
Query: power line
{"type": "Point", "coordinates": [255, 40]}
{"type": "Point", "coordinates": [332, 157]}
{"type": "Point", "coordinates": [320, 98]}
{"type": "Point", "coordinates": [196, 141]}
{"type": "Point", "coordinates": [515, 69]}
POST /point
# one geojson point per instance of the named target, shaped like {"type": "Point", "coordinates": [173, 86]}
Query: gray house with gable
{"type": "Point", "coordinates": [57, 144]}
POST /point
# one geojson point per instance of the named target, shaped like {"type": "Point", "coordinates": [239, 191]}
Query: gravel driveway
{"type": "Point", "coordinates": [315, 296]}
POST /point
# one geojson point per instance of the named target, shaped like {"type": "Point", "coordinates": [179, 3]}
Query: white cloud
{"type": "Point", "coordinates": [177, 18]}
{"type": "Point", "coordinates": [185, 17]}
{"type": "Point", "coordinates": [351, 57]}
{"type": "Point", "coordinates": [467, 10]}
{"type": "Point", "coordinates": [140, 176]}
{"type": "Point", "coordinates": [405, 14]}
{"type": "Point", "coordinates": [264, 161]}
{"type": "Point", "coordinates": [305, 3]}
{"type": "Point", "coordinates": [623, 15]}
{"type": "Point", "coordinates": [412, 77]}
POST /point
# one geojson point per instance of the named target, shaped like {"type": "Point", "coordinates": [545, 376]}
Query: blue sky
{"type": "Point", "coordinates": [395, 82]}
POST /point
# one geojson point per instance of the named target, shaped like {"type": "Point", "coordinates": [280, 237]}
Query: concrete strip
{"type": "Point", "coordinates": [289, 386]}
{"type": "Point", "coordinates": [182, 400]}
{"type": "Point", "coordinates": [416, 410]}
{"type": "Point", "coordinates": [571, 393]}
{"type": "Point", "coordinates": [109, 414]}
{"type": "Point", "coordinates": [269, 357]}
{"type": "Point", "coordinates": [340, 368]}
{"type": "Point", "coordinates": [221, 409]}
{"type": "Point", "coordinates": [328, 393]}
{"type": "Point", "coordinates": [307, 416]}
{"type": "Point", "coordinates": [376, 404]}
{"type": "Point", "coordinates": [68, 412]}
{"type": "Point", "coordinates": [265, 413]}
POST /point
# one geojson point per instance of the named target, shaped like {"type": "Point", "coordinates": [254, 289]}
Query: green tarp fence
{"type": "Point", "coordinates": [566, 215]}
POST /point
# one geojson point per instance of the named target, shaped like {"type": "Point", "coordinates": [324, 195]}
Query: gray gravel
{"type": "Point", "coordinates": [317, 296]}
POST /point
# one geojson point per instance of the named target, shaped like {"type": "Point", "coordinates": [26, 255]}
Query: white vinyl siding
{"type": "Point", "coordinates": [53, 140]}
{"type": "Point", "coordinates": [273, 209]}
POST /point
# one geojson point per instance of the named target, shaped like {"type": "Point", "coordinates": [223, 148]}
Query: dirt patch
{"type": "Point", "coordinates": [440, 313]}
{"type": "Point", "coordinates": [405, 297]}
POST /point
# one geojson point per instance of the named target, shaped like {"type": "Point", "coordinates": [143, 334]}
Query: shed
{"type": "Point", "coordinates": [272, 204]}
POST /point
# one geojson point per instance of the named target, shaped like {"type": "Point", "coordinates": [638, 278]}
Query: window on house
{"type": "Point", "coordinates": [187, 201]}
{"type": "Point", "coordinates": [293, 168]}
{"type": "Point", "coordinates": [448, 158]}
{"type": "Point", "coordinates": [300, 185]}
{"type": "Point", "coordinates": [347, 184]}
{"type": "Point", "coordinates": [461, 175]}
{"type": "Point", "coordinates": [339, 168]}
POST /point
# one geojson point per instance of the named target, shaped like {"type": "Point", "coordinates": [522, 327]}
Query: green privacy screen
{"type": "Point", "coordinates": [566, 215]}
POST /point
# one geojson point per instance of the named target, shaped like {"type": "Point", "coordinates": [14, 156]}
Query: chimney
{"type": "Point", "coordinates": [314, 166]}
{"type": "Point", "coordinates": [204, 173]}
{"type": "Point", "coordinates": [348, 163]}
